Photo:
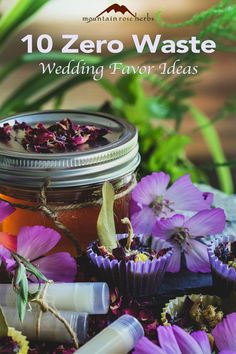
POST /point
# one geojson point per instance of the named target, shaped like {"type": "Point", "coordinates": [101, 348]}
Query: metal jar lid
{"type": "Point", "coordinates": [113, 158]}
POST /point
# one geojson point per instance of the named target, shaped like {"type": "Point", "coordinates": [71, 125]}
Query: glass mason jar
{"type": "Point", "coordinates": [76, 178]}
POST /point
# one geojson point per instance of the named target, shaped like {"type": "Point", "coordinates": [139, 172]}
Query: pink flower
{"type": "Point", "coordinates": [224, 334]}
{"type": "Point", "coordinates": [5, 210]}
{"type": "Point", "coordinates": [6, 258]}
{"type": "Point", "coordinates": [174, 340]}
{"type": "Point", "coordinates": [8, 241]}
{"type": "Point", "coordinates": [32, 244]}
{"type": "Point", "coordinates": [184, 236]}
{"type": "Point", "coordinates": [152, 200]}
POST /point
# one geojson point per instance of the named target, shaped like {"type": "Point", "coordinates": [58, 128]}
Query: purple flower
{"type": "Point", "coordinates": [33, 243]}
{"type": "Point", "coordinates": [174, 340]}
{"type": "Point", "coordinates": [6, 258]}
{"type": "Point", "coordinates": [151, 200]}
{"type": "Point", "coordinates": [184, 236]}
{"type": "Point", "coordinates": [224, 334]}
{"type": "Point", "coordinates": [5, 210]}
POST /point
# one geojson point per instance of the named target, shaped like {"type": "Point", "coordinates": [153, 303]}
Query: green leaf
{"type": "Point", "coordinates": [29, 267]}
{"type": "Point", "coordinates": [34, 271]}
{"type": "Point", "coordinates": [230, 163]}
{"type": "Point", "coordinates": [59, 100]}
{"type": "Point", "coordinates": [19, 275]}
{"type": "Point", "coordinates": [213, 142]}
{"type": "Point", "coordinates": [21, 288]}
{"type": "Point", "coordinates": [21, 306]}
{"type": "Point", "coordinates": [171, 149]}
{"type": "Point", "coordinates": [228, 109]}
{"type": "Point", "coordinates": [3, 325]}
{"type": "Point", "coordinates": [109, 87]}
{"type": "Point", "coordinates": [217, 22]}
{"type": "Point", "coordinates": [55, 92]}
{"type": "Point", "coordinates": [106, 223]}
{"type": "Point", "coordinates": [21, 11]}
{"type": "Point", "coordinates": [196, 18]}
{"type": "Point", "coordinates": [21, 283]}
{"type": "Point", "coordinates": [18, 100]}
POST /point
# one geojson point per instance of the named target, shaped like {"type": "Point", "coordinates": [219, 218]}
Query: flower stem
{"type": "Point", "coordinates": [127, 222]}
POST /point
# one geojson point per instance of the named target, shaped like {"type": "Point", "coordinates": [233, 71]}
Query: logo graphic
{"type": "Point", "coordinates": [117, 8]}
{"type": "Point", "coordinates": [117, 13]}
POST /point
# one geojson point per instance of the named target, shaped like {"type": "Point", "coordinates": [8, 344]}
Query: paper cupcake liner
{"type": "Point", "coordinates": [20, 339]}
{"type": "Point", "coordinates": [224, 277]}
{"type": "Point", "coordinates": [175, 306]}
{"type": "Point", "coordinates": [135, 279]}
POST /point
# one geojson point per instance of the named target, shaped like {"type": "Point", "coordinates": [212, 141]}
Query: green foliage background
{"type": "Point", "coordinates": [162, 148]}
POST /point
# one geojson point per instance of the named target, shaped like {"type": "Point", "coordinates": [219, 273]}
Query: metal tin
{"type": "Point", "coordinates": [116, 157]}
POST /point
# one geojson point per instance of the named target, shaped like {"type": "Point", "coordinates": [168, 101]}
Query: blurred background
{"type": "Point", "coordinates": [192, 119]}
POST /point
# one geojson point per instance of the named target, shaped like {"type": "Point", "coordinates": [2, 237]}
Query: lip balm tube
{"type": "Point", "coordinates": [91, 298]}
{"type": "Point", "coordinates": [118, 338]}
{"type": "Point", "coordinates": [51, 329]}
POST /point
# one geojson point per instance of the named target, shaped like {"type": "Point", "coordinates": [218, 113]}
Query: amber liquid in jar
{"type": "Point", "coordinates": [80, 220]}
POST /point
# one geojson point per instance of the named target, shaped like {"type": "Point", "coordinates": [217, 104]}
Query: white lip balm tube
{"type": "Point", "coordinates": [118, 338]}
{"type": "Point", "coordinates": [91, 298]}
{"type": "Point", "coordinates": [51, 329]}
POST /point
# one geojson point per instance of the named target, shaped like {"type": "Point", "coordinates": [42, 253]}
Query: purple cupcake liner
{"type": "Point", "coordinates": [135, 279]}
{"type": "Point", "coordinates": [224, 277]}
